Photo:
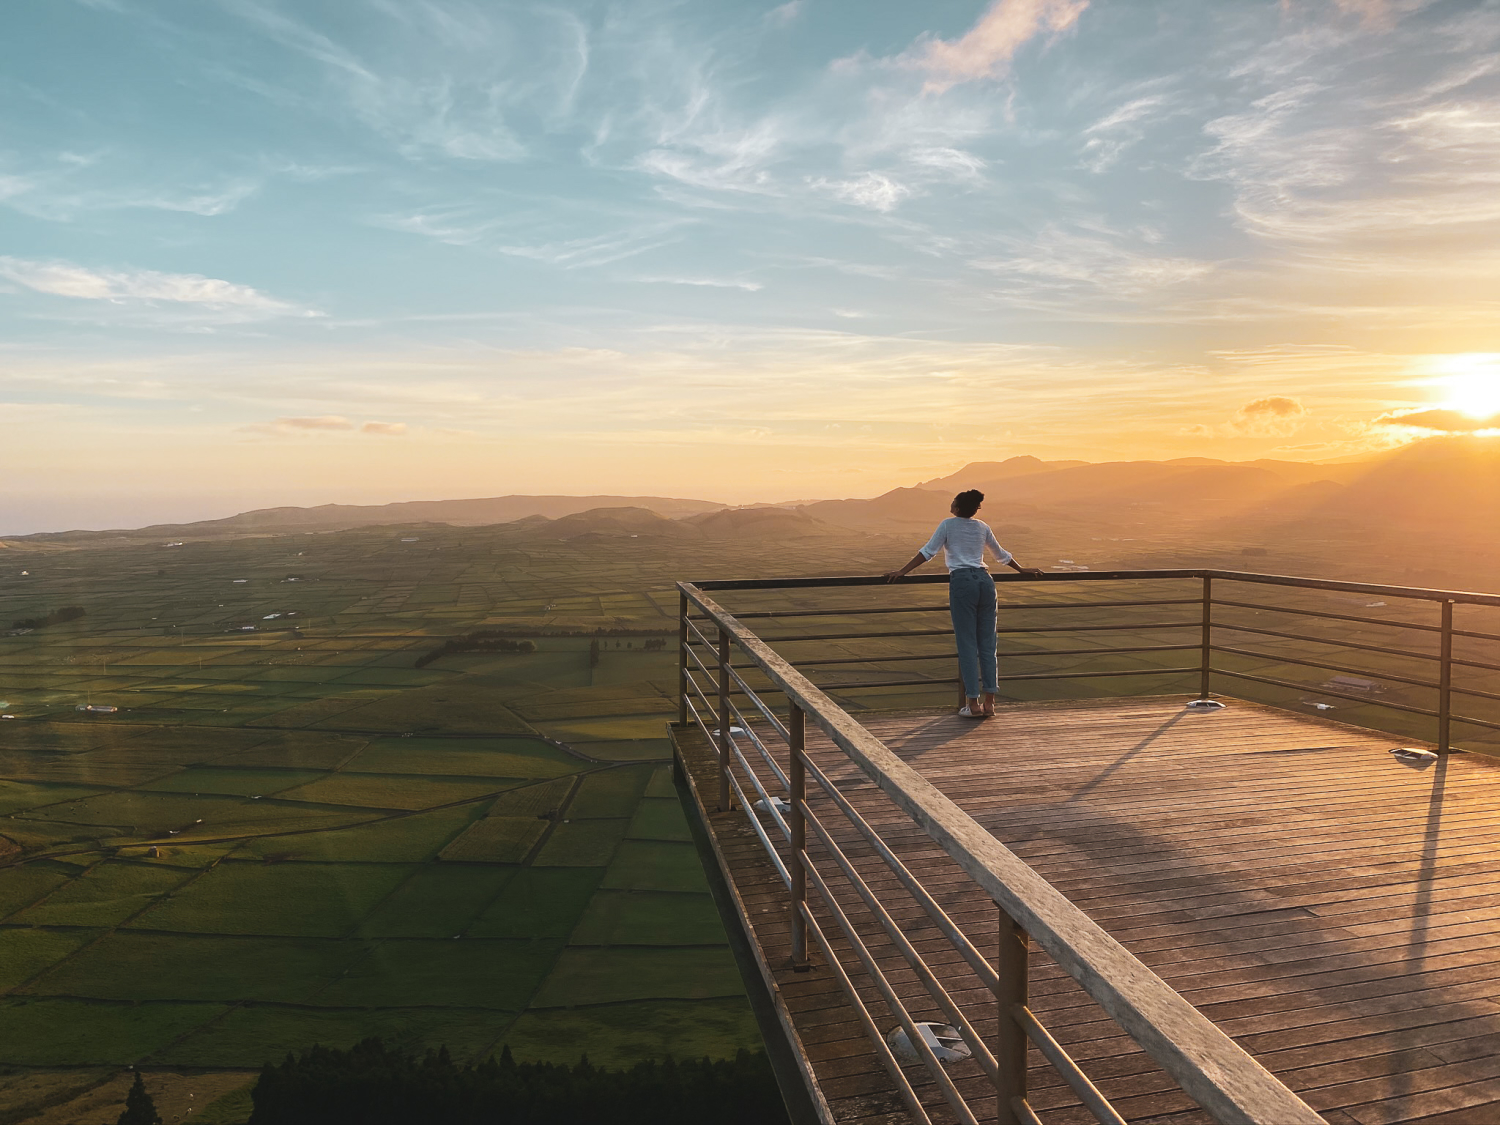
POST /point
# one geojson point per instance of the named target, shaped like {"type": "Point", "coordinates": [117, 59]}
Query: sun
{"type": "Point", "coordinates": [1473, 385]}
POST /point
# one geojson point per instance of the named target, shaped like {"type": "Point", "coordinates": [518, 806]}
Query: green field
{"type": "Point", "coordinates": [289, 834]}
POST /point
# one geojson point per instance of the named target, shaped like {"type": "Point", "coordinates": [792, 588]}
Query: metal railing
{"type": "Point", "coordinates": [828, 867]}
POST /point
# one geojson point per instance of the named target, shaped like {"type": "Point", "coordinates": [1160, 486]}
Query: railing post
{"type": "Point", "coordinates": [1012, 991]}
{"type": "Point", "coordinates": [682, 658]}
{"type": "Point", "coordinates": [724, 754]}
{"type": "Point", "coordinates": [1208, 642]}
{"type": "Point", "coordinates": [1445, 689]}
{"type": "Point", "coordinates": [797, 821]}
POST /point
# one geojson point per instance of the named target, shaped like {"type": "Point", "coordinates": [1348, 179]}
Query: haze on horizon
{"type": "Point", "coordinates": [257, 253]}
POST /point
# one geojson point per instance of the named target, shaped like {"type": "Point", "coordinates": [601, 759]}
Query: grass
{"type": "Point", "coordinates": [394, 839]}
{"type": "Point", "coordinates": [26, 952]}
{"type": "Point", "coordinates": [610, 793]}
{"type": "Point", "coordinates": [384, 791]}
{"type": "Point", "coordinates": [250, 1035]}
{"type": "Point", "coordinates": [659, 818]}
{"type": "Point", "coordinates": [540, 903]}
{"type": "Point", "coordinates": [650, 918]}
{"type": "Point", "coordinates": [437, 902]}
{"type": "Point", "coordinates": [621, 1035]}
{"type": "Point", "coordinates": [105, 896]}
{"type": "Point", "coordinates": [654, 865]}
{"type": "Point", "coordinates": [62, 1032]}
{"type": "Point", "coordinates": [496, 839]}
{"type": "Point", "coordinates": [22, 886]}
{"type": "Point", "coordinates": [232, 782]}
{"type": "Point", "coordinates": [582, 843]}
{"type": "Point", "coordinates": [518, 758]}
{"type": "Point", "coordinates": [604, 976]}
{"type": "Point", "coordinates": [210, 967]}
{"type": "Point", "coordinates": [476, 973]}
{"type": "Point", "coordinates": [250, 898]}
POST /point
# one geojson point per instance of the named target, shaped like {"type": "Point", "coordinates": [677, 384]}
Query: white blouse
{"type": "Point", "coordinates": [963, 542]}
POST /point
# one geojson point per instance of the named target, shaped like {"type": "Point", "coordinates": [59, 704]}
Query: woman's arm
{"type": "Point", "coordinates": [1007, 558]}
{"type": "Point", "coordinates": [916, 560]}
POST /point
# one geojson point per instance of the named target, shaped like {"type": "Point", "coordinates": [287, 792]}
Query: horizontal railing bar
{"type": "Point", "coordinates": [1476, 636]}
{"type": "Point", "coordinates": [850, 612]}
{"type": "Point", "coordinates": [765, 753]}
{"type": "Point", "coordinates": [1025, 654]}
{"type": "Point", "coordinates": [760, 830]}
{"type": "Point", "coordinates": [1095, 1102]}
{"type": "Point", "coordinates": [1028, 676]}
{"type": "Point", "coordinates": [760, 788]}
{"type": "Point", "coordinates": [1415, 593]}
{"type": "Point", "coordinates": [697, 632]}
{"type": "Point", "coordinates": [1224, 1079]}
{"type": "Point", "coordinates": [1327, 641]}
{"type": "Point", "coordinates": [847, 581]}
{"type": "Point", "coordinates": [1476, 722]}
{"type": "Point", "coordinates": [1456, 690]}
{"type": "Point", "coordinates": [981, 1053]}
{"type": "Point", "coordinates": [986, 973]}
{"type": "Point", "coordinates": [1326, 691]}
{"type": "Point", "coordinates": [1276, 658]}
{"type": "Point", "coordinates": [883, 1050]}
{"type": "Point", "coordinates": [888, 994]}
{"type": "Point", "coordinates": [949, 632]}
{"type": "Point", "coordinates": [1329, 616]}
{"type": "Point", "coordinates": [857, 611]}
{"type": "Point", "coordinates": [892, 683]}
{"type": "Point", "coordinates": [770, 716]}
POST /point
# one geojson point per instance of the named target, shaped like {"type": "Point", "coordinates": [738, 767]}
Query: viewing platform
{"type": "Point", "coordinates": [1123, 908]}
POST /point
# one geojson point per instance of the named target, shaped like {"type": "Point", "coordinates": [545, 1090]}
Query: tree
{"type": "Point", "coordinates": [594, 653]}
{"type": "Point", "coordinates": [139, 1108]}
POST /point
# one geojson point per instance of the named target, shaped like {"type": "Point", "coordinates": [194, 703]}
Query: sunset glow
{"type": "Point", "coordinates": [348, 251]}
{"type": "Point", "coordinates": [1475, 388]}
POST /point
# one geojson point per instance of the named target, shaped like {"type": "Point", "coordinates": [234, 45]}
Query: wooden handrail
{"type": "Point", "coordinates": [1222, 1077]}
{"type": "Point", "coordinates": [1419, 593]}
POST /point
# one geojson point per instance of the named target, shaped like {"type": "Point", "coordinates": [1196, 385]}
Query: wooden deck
{"type": "Point", "coordinates": [1334, 910]}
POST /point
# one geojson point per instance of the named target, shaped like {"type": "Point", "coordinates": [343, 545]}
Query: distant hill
{"type": "Point", "coordinates": [342, 517]}
{"type": "Point", "coordinates": [1448, 483]}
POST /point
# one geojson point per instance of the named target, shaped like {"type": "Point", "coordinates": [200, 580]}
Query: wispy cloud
{"type": "Point", "coordinates": [706, 282]}
{"type": "Point", "coordinates": [326, 422]}
{"type": "Point", "coordinates": [386, 429]}
{"type": "Point", "coordinates": [987, 48]}
{"type": "Point", "coordinates": [65, 279]}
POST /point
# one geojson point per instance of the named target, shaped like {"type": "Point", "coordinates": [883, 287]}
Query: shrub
{"type": "Point", "coordinates": [372, 1085]}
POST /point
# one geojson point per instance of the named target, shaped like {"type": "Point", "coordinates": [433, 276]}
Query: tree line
{"type": "Point", "coordinates": [56, 617]}
{"type": "Point", "coordinates": [482, 640]}
{"type": "Point", "coordinates": [370, 1084]}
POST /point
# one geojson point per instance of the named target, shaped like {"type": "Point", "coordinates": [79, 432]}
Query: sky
{"type": "Point", "coordinates": [256, 252]}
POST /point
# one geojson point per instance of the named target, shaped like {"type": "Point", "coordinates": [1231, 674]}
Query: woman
{"type": "Point", "coordinates": [971, 596]}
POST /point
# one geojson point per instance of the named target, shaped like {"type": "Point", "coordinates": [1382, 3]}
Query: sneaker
{"type": "Point", "coordinates": [965, 713]}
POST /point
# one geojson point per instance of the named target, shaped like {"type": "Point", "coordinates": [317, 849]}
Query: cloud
{"type": "Point", "coordinates": [872, 190]}
{"type": "Point", "coordinates": [785, 14]}
{"type": "Point", "coordinates": [64, 279]}
{"type": "Point", "coordinates": [1276, 415]}
{"type": "Point", "coordinates": [391, 429]}
{"type": "Point", "coordinates": [1444, 421]}
{"type": "Point", "coordinates": [709, 282]}
{"type": "Point", "coordinates": [986, 49]}
{"type": "Point", "coordinates": [325, 422]}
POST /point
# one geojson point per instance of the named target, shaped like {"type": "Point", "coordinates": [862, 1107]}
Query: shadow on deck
{"type": "Point", "coordinates": [1332, 908]}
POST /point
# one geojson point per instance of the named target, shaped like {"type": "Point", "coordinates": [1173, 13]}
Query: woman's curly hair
{"type": "Point", "coordinates": [967, 503]}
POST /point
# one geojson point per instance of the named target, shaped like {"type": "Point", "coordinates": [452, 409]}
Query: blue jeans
{"type": "Point", "coordinates": [971, 601]}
